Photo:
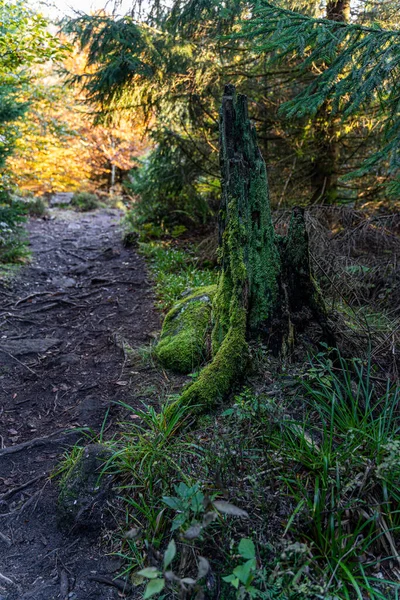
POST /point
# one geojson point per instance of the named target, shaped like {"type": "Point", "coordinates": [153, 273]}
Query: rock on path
{"type": "Point", "coordinates": [61, 368]}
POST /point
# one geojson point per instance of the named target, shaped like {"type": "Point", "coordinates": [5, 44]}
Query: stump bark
{"type": "Point", "coordinates": [265, 289]}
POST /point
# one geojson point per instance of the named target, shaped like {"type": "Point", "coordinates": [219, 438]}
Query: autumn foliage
{"type": "Point", "coordinates": [59, 149]}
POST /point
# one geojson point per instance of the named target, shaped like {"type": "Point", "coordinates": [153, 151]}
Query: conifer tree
{"type": "Point", "coordinates": [172, 65]}
{"type": "Point", "coordinates": [361, 70]}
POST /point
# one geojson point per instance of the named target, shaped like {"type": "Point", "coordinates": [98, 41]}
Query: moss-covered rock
{"type": "Point", "coordinates": [84, 491]}
{"type": "Point", "coordinates": [183, 344]}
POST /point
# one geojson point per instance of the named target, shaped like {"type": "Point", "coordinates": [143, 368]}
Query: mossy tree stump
{"type": "Point", "coordinates": [265, 289]}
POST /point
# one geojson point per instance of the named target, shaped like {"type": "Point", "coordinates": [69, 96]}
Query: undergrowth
{"type": "Point", "coordinates": [291, 493]}
{"type": "Point", "coordinates": [13, 242]}
{"type": "Point", "coordinates": [175, 271]}
{"type": "Point", "coordinates": [85, 201]}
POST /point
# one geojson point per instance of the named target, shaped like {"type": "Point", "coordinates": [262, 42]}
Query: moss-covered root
{"type": "Point", "coordinates": [183, 343]}
{"type": "Point", "coordinates": [217, 378]}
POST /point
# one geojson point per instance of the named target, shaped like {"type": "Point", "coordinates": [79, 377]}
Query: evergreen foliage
{"type": "Point", "coordinates": [172, 63]}
{"type": "Point", "coordinates": [356, 68]}
{"type": "Point", "coordinates": [170, 187]}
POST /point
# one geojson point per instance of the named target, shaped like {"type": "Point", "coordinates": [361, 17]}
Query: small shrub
{"type": "Point", "coordinates": [36, 206]}
{"type": "Point", "coordinates": [169, 188]}
{"type": "Point", "coordinates": [85, 201]}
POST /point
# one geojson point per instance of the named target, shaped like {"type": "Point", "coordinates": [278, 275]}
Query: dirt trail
{"type": "Point", "coordinates": [62, 367]}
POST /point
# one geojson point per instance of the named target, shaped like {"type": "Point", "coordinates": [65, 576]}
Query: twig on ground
{"type": "Point", "coordinates": [21, 508]}
{"type": "Point", "coordinates": [5, 539]}
{"type": "Point", "coordinates": [6, 579]}
{"type": "Point", "coordinates": [120, 584]}
{"type": "Point", "coordinates": [22, 486]}
{"type": "Point", "coordinates": [35, 442]}
{"type": "Point", "coordinates": [64, 585]}
{"type": "Point", "coordinates": [73, 254]}
{"type": "Point", "coordinates": [18, 361]}
{"type": "Point", "coordinates": [26, 298]}
{"type": "Point", "coordinates": [44, 308]}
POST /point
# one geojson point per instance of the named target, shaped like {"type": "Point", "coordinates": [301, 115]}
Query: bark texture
{"type": "Point", "coordinates": [250, 262]}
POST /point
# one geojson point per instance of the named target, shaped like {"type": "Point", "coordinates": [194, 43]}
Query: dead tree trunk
{"type": "Point", "coordinates": [265, 289]}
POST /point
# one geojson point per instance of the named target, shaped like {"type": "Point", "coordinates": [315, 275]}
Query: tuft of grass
{"type": "Point", "coordinates": [335, 467]}
{"type": "Point", "coordinates": [67, 463]}
{"type": "Point", "coordinates": [147, 460]}
{"type": "Point", "coordinates": [174, 271]}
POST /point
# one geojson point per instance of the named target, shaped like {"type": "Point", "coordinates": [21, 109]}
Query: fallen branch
{"type": "Point", "coordinates": [32, 296]}
{"type": "Point", "coordinates": [73, 254]}
{"type": "Point", "coordinates": [6, 579]}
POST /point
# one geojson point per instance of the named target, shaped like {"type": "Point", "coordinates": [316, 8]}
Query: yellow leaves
{"type": "Point", "coordinates": [60, 150]}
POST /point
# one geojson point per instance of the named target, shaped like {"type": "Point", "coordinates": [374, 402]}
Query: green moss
{"type": "Point", "coordinates": [84, 487]}
{"type": "Point", "coordinates": [250, 258]}
{"type": "Point", "coordinates": [220, 312]}
{"type": "Point", "coordinates": [182, 346]}
{"type": "Point", "coordinates": [217, 378]}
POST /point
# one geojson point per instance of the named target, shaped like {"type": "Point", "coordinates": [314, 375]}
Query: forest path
{"type": "Point", "coordinates": [61, 368]}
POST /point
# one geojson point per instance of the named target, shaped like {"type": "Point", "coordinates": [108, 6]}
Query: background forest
{"type": "Point", "coordinates": [124, 110]}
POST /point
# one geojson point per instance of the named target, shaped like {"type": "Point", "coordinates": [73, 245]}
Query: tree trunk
{"type": "Point", "coordinates": [325, 169]}
{"type": "Point", "coordinates": [338, 10]}
{"type": "Point", "coordinates": [326, 165]}
{"type": "Point", "coordinates": [265, 289]}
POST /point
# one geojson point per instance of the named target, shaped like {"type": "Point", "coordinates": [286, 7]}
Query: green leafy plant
{"type": "Point", "coordinates": [188, 503]}
{"type": "Point", "coordinates": [194, 513]}
{"type": "Point", "coordinates": [159, 579]}
{"type": "Point", "coordinates": [242, 576]}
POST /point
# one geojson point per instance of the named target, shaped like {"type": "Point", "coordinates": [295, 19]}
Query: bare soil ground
{"type": "Point", "coordinates": [62, 367]}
